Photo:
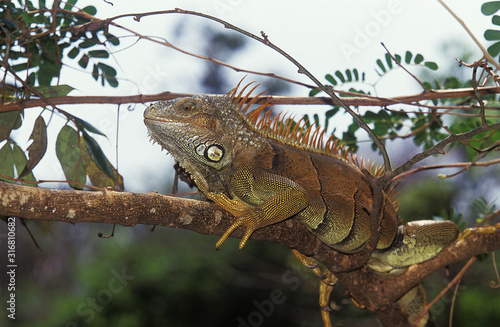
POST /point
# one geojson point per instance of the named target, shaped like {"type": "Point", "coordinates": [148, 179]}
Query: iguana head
{"type": "Point", "coordinates": [203, 133]}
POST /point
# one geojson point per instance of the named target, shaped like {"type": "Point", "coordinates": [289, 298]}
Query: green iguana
{"type": "Point", "coordinates": [268, 169]}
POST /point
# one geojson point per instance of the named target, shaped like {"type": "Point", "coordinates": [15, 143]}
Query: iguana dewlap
{"type": "Point", "coordinates": [265, 170]}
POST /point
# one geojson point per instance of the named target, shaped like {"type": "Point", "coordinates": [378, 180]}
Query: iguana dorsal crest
{"type": "Point", "coordinates": [299, 134]}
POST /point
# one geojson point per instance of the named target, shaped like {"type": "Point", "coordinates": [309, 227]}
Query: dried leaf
{"type": "Point", "coordinates": [96, 175]}
{"type": "Point", "coordinates": [37, 149]}
{"type": "Point", "coordinates": [69, 156]}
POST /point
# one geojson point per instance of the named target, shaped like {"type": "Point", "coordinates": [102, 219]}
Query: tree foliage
{"type": "Point", "coordinates": [34, 49]}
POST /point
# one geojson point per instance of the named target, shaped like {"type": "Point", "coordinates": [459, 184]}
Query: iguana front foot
{"type": "Point", "coordinates": [250, 225]}
{"type": "Point", "coordinates": [236, 208]}
{"type": "Point", "coordinates": [285, 199]}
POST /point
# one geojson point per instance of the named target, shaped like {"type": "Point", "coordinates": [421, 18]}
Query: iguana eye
{"type": "Point", "coordinates": [214, 153]}
{"type": "Point", "coordinates": [186, 106]}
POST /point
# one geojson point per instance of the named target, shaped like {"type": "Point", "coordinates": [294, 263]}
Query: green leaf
{"type": "Point", "coordinates": [356, 91]}
{"type": "Point", "coordinates": [69, 4]}
{"type": "Point", "coordinates": [453, 83]}
{"type": "Point", "coordinates": [90, 10]}
{"type": "Point", "coordinates": [99, 54]}
{"type": "Point", "coordinates": [381, 65]}
{"type": "Point", "coordinates": [113, 82]}
{"type": "Point", "coordinates": [31, 79]}
{"type": "Point", "coordinates": [329, 114]}
{"type": "Point", "coordinates": [307, 123]}
{"type": "Point", "coordinates": [97, 155]}
{"type": "Point", "coordinates": [427, 131]}
{"type": "Point", "coordinates": [112, 39]}
{"type": "Point", "coordinates": [418, 59]}
{"type": "Point", "coordinates": [84, 125]}
{"type": "Point", "coordinates": [8, 23]}
{"type": "Point", "coordinates": [388, 59]}
{"type": "Point", "coordinates": [95, 72]}
{"type": "Point", "coordinates": [84, 61]}
{"type": "Point", "coordinates": [95, 174]}
{"type": "Point", "coordinates": [340, 76]}
{"type": "Point", "coordinates": [20, 67]}
{"type": "Point", "coordinates": [73, 52]}
{"type": "Point", "coordinates": [370, 116]}
{"type": "Point", "coordinates": [88, 43]}
{"type": "Point", "coordinates": [109, 74]}
{"type": "Point", "coordinates": [349, 136]}
{"type": "Point", "coordinates": [68, 153]}
{"type": "Point", "coordinates": [431, 65]}
{"type": "Point", "coordinates": [331, 79]}
{"type": "Point", "coordinates": [492, 35]}
{"type": "Point", "coordinates": [37, 149]}
{"type": "Point", "coordinates": [495, 20]}
{"type": "Point", "coordinates": [489, 8]}
{"type": "Point", "coordinates": [313, 92]}
{"type": "Point", "coordinates": [380, 129]}
{"type": "Point", "coordinates": [408, 57]}
{"type": "Point", "coordinates": [316, 120]}
{"type": "Point", "coordinates": [54, 91]}
{"type": "Point", "coordinates": [356, 74]}
{"type": "Point", "coordinates": [16, 54]}
{"type": "Point", "coordinates": [494, 49]}
{"type": "Point", "coordinates": [332, 112]}
{"type": "Point", "coordinates": [348, 74]}
{"type": "Point", "coordinates": [9, 121]}
{"type": "Point", "coordinates": [6, 162]}
{"type": "Point", "coordinates": [20, 161]}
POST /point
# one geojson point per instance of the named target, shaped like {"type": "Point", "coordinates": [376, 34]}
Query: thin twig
{"type": "Point", "coordinates": [404, 68]}
{"type": "Point", "coordinates": [461, 22]}
{"type": "Point", "coordinates": [489, 218]}
{"type": "Point", "coordinates": [438, 148]}
{"type": "Point", "coordinates": [20, 180]}
{"type": "Point", "coordinates": [476, 93]}
{"type": "Point", "coordinates": [455, 280]}
{"type": "Point", "coordinates": [450, 322]}
{"type": "Point", "coordinates": [472, 164]}
{"type": "Point", "coordinates": [451, 165]}
{"type": "Point", "coordinates": [494, 284]}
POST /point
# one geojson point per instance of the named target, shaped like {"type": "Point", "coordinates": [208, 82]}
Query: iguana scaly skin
{"type": "Point", "coordinates": [265, 170]}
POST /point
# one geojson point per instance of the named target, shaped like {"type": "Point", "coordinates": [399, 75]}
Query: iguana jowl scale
{"type": "Point", "coordinates": [265, 170]}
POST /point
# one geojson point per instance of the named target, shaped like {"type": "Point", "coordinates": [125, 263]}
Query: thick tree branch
{"type": "Point", "coordinates": [129, 209]}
